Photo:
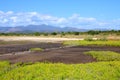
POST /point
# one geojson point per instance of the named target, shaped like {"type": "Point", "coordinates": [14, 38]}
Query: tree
{"type": "Point", "coordinates": [76, 33]}
{"type": "Point", "coordinates": [37, 34]}
{"type": "Point", "coordinates": [54, 33]}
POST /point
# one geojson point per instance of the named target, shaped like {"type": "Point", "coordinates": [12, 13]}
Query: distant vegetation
{"type": "Point", "coordinates": [91, 32]}
{"type": "Point", "coordinates": [104, 55]}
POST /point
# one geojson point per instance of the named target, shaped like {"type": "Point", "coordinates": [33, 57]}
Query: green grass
{"type": "Point", "coordinates": [3, 64]}
{"type": "Point", "coordinates": [94, 42]}
{"type": "Point", "coordinates": [59, 71]}
{"type": "Point", "coordinates": [104, 55]}
{"type": "Point", "coordinates": [36, 49]}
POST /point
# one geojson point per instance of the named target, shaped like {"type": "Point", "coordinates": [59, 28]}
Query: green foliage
{"type": "Point", "coordinates": [69, 33]}
{"type": "Point", "coordinates": [45, 34]}
{"type": "Point", "coordinates": [63, 33]}
{"type": "Point", "coordinates": [94, 42]}
{"type": "Point", "coordinates": [49, 71]}
{"type": "Point", "coordinates": [36, 49]}
{"type": "Point", "coordinates": [3, 64]}
{"type": "Point", "coordinates": [104, 55]}
{"type": "Point", "coordinates": [37, 34]}
{"type": "Point", "coordinates": [4, 67]}
{"type": "Point", "coordinates": [91, 32]}
{"type": "Point", "coordinates": [54, 33]}
{"type": "Point", "coordinates": [76, 33]}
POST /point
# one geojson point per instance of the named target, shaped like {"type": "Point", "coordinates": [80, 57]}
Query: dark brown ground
{"type": "Point", "coordinates": [62, 55]}
{"type": "Point", "coordinates": [25, 47]}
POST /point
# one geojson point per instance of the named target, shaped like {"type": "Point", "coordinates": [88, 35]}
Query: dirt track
{"type": "Point", "coordinates": [63, 55]}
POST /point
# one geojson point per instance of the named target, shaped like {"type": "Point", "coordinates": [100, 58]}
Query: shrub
{"type": "Point", "coordinates": [37, 34]}
{"type": "Point", "coordinates": [54, 33]}
{"type": "Point", "coordinates": [103, 38]}
{"type": "Point", "coordinates": [63, 33]}
{"type": "Point", "coordinates": [91, 32]}
{"type": "Point", "coordinates": [76, 33]}
{"type": "Point", "coordinates": [89, 39]}
{"type": "Point", "coordinates": [36, 49]}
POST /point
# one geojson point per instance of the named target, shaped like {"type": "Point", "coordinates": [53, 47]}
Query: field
{"type": "Point", "coordinates": [59, 59]}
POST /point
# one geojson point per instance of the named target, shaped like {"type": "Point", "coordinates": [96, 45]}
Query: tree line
{"type": "Point", "coordinates": [91, 32]}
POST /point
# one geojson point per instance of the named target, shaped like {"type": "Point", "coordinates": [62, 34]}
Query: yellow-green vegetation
{"type": "Point", "coordinates": [93, 42]}
{"type": "Point", "coordinates": [3, 64]}
{"type": "Point", "coordinates": [59, 71]}
{"type": "Point", "coordinates": [104, 55]}
{"type": "Point", "coordinates": [36, 49]}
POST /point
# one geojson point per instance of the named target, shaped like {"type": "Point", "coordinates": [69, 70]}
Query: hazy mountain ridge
{"type": "Point", "coordinates": [39, 28]}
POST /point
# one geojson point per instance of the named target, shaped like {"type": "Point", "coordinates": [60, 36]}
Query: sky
{"type": "Point", "coordinates": [87, 14]}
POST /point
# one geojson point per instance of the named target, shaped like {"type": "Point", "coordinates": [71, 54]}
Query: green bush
{"type": "Point", "coordinates": [37, 34]}
{"type": "Point", "coordinates": [76, 33]}
{"type": "Point", "coordinates": [92, 32]}
{"type": "Point", "coordinates": [54, 33]}
{"type": "Point", "coordinates": [36, 49]}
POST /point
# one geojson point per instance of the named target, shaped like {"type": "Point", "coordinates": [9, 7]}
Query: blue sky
{"type": "Point", "coordinates": [72, 13]}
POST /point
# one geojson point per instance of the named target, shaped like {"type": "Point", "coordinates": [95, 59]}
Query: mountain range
{"type": "Point", "coordinates": [39, 28]}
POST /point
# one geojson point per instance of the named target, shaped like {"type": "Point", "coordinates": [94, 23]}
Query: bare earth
{"type": "Point", "coordinates": [54, 52]}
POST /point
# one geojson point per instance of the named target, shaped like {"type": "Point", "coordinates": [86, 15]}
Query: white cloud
{"type": "Point", "coordinates": [11, 18]}
{"type": "Point", "coordinates": [9, 12]}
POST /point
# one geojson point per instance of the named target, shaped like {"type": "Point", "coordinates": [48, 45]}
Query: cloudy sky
{"type": "Point", "coordinates": [87, 14]}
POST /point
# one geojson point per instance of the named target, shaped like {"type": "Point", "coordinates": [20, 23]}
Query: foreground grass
{"type": "Point", "coordinates": [4, 64]}
{"type": "Point", "coordinates": [49, 71]}
{"type": "Point", "coordinates": [94, 42]}
{"type": "Point", "coordinates": [104, 55]}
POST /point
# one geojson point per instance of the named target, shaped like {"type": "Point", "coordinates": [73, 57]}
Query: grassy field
{"type": "Point", "coordinates": [49, 71]}
{"type": "Point", "coordinates": [104, 55]}
{"type": "Point", "coordinates": [94, 42]}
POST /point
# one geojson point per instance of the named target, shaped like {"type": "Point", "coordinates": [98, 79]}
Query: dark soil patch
{"type": "Point", "coordinates": [4, 49]}
{"type": "Point", "coordinates": [60, 55]}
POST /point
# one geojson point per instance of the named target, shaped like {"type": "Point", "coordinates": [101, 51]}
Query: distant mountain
{"type": "Point", "coordinates": [39, 28]}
